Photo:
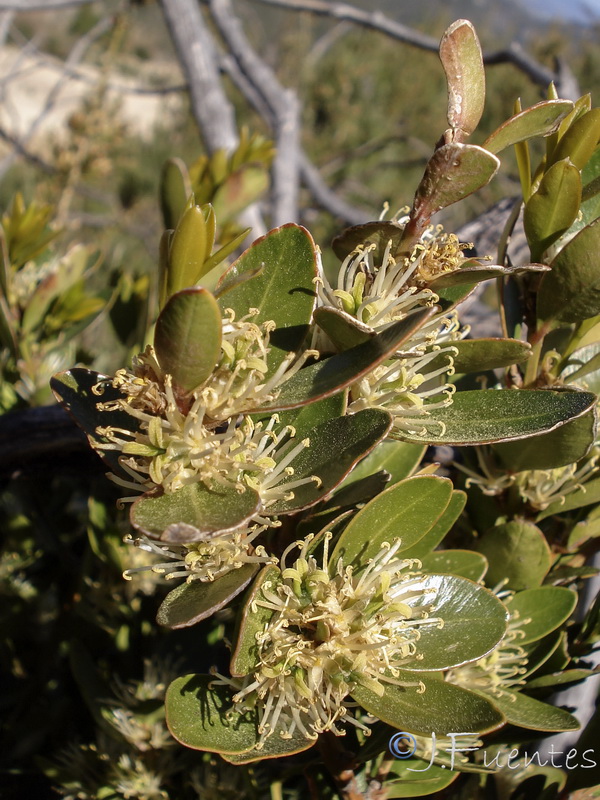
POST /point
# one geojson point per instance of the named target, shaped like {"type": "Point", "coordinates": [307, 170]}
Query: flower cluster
{"type": "Point", "coordinates": [328, 634]}
{"type": "Point", "coordinates": [204, 561]}
{"type": "Point", "coordinates": [537, 487]}
{"type": "Point", "coordinates": [412, 383]}
{"type": "Point", "coordinates": [205, 436]}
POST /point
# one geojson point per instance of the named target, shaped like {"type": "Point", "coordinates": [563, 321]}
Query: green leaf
{"type": "Point", "coordinates": [569, 677]}
{"type": "Point", "coordinates": [379, 233]}
{"type": "Point", "coordinates": [518, 551]}
{"type": "Point", "coordinates": [560, 447]}
{"type": "Point", "coordinates": [580, 141]}
{"type": "Point", "coordinates": [175, 188]}
{"type": "Point", "coordinates": [192, 602]}
{"type": "Point", "coordinates": [196, 717]}
{"type": "Point", "coordinates": [541, 119]}
{"type": "Point", "coordinates": [435, 534]}
{"type": "Point", "coordinates": [187, 338]}
{"type": "Point", "coordinates": [475, 355]}
{"type": "Point", "coordinates": [193, 513]}
{"type": "Point", "coordinates": [571, 291]}
{"type": "Point", "coordinates": [464, 563]}
{"type": "Point", "coordinates": [543, 652]}
{"type": "Point", "coordinates": [542, 610]}
{"type": "Point", "coordinates": [473, 272]}
{"type": "Point", "coordinates": [460, 54]}
{"type": "Point", "coordinates": [442, 707]}
{"type": "Point", "coordinates": [343, 330]}
{"type": "Point", "coordinates": [283, 292]}
{"type": "Point", "coordinates": [400, 782]}
{"type": "Point", "coordinates": [407, 511]}
{"type": "Point", "coordinates": [474, 622]}
{"type": "Point", "coordinates": [335, 447]}
{"type": "Point", "coordinates": [305, 418]}
{"type": "Point", "coordinates": [252, 620]}
{"type": "Point", "coordinates": [587, 495]}
{"type": "Point", "coordinates": [73, 389]}
{"type": "Point", "coordinates": [333, 374]}
{"type": "Point", "coordinates": [552, 209]}
{"type": "Point", "coordinates": [481, 417]}
{"type": "Point", "coordinates": [400, 459]}
{"type": "Point", "coordinates": [453, 172]}
{"type": "Point", "coordinates": [524, 711]}
{"type": "Point", "coordinates": [189, 248]}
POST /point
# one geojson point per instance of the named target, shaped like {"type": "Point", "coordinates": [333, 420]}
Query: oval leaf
{"type": "Point", "coordinates": [252, 620]}
{"type": "Point", "coordinates": [460, 54]}
{"type": "Point", "coordinates": [379, 233]}
{"type": "Point", "coordinates": [560, 447]}
{"type": "Point", "coordinates": [435, 534]}
{"type": "Point", "coordinates": [407, 511]}
{"type": "Point", "coordinates": [541, 119]}
{"type": "Point", "coordinates": [475, 355]}
{"type": "Point", "coordinates": [73, 390]}
{"type": "Point", "coordinates": [442, 707]}
{"type": "Point", "coordinates": [453, 172]}
{"type": "Point", "coordinates": [587, 495]}
{"type": "Point", "coordinates": [187, 338]}
{"type": "Point", "coordinates": [524, 711]}
{"type": "Point", "coordinates": [517, 551]}
{"type": "Point", "coordinates": [571, 291]}
{"type": "Point", "coordinates": [542, 610]}
{"type": "Point", "coordinates": [552, 209]}
{"type": "Point", "coordinates": [464, 563]}
{"type": "Point", "coordinates": [580, 141]}
{"type": "Point", "coordinates": [343, 330]}
{"type": "Point", "coordinates": [474, 622]}
{"type": "Point", "coordinates": [480, 417]}
{"type": "Point", "coordinates": [204, 512]}
{"type": "Point", "coordinates": [192, 602]}
{"type": "Point", "coordinates": [197, 718]}
{"type": "Point", "coordinates": [283, 291]}
{"type": "Point", "coordinates": [399, 459]}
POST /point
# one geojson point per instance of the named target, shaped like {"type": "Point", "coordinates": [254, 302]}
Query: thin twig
{"type": "Point", "coordinates": [282, 103]}
{"type": "Point", "coordinates": [376, 20]}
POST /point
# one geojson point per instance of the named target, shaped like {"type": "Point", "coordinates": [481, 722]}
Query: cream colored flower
{"type": "Point", "coordinates": [329, 634]}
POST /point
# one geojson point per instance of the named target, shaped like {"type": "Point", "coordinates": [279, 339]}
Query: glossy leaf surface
{"type": "Point", "coordinates": [192, 602]}
{"type": "Point", "coordinates": [283, 291]}
{"type": "Point", "coordinates": [442, 707]}
{"type": "Point", "coordinates": [541, 119]}
{"type": "Point", "coordinates": [518, 551]}
{"type": "Point", "coordinates": [541, 610]}
{"type": "Point", "coordinates": [479, 417]}
{"type": "Point", "coordinates": [474, 622]}
{"type": "Point", "coordinates": [560, 447]}
{"type": "Point", "coordinates": [196, 717]}
{"type": "Point", "coordinates": [407, 511]}
{"type": "Point", "coordinates": [194, 513]}
{"type": "Point", "coordinates": [464, 563]}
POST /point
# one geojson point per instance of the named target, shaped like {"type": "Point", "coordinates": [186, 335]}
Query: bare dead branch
{"type": "Point", "coordinates": [327, 198]}
{"type": "Point", "coordinates": [282, 103]}
{"type": "Point", "coordinates": [196, 52]}
{"type": "Point", "coordinates": [376, 20]}
{"type": "Point", "coordinates": [41, 5]}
